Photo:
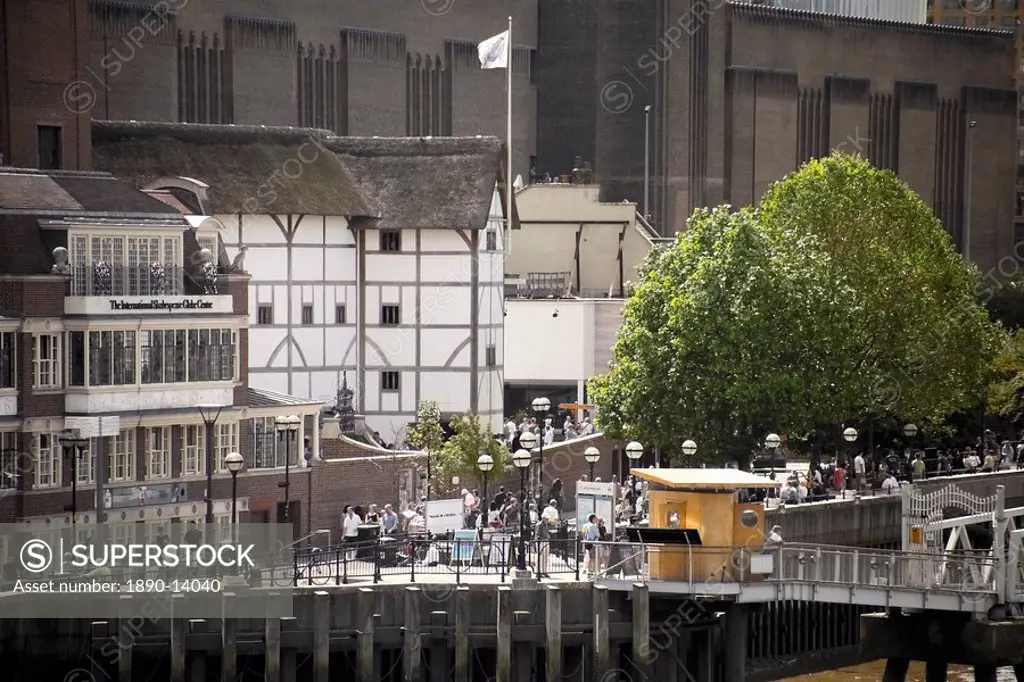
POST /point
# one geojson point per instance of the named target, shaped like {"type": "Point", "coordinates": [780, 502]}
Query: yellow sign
{"type": "Point", "coordinates": [917, 536]}
{"type": "Point", "coordinates": [575, 406]}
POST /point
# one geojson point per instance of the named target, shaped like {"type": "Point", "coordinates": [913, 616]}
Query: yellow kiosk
{"type": "Point", "coordinates": [716, 535]}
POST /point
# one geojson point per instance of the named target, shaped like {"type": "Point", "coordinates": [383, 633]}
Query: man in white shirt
{"type": "Point", "coordinates": [550, 513]}
{"type": "Point", "coordinates": [890, 485]}
{"type": "Point", "coordinates": [468, 505]}
{"type": "Point", "coordinates": [350, 526]}
{"type": "Point", "coordinates": [860, 471]}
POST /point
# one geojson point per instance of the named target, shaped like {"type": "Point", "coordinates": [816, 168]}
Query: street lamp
{"type": "Point", "coordinates": [593, 456]}
{"type": "Point", "coordinates": [485, 463]}
{"type": "Point", "coordinates": [850, 434]}
{"type": "Point", "coordinates": [540, 407]}
{"type": "Point", "coordinates": [910, 430]}
{"type": "Point", "coordinates": [210, 414]}
{"type": "Point", "coordinates": [522, 459]}
{"type": "Point", "coordinates": [527, 441]}
{"type": "Point", "coordinates": [635, 451]}
{"type": "Point", "coordinates": [287, 426]}
{"type": "Point", "coordinates": [234, 463]}
{"type": "Point", "coordinates": [772, 442]}
{"type": "Point", "coordinates": [689, 448]}
{"type": "Point", "coordinates": [72, 447]}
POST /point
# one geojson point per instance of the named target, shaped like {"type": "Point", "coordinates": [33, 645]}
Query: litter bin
{"type": "Point", "coordinates": [368, 533]}
{"type": "Point", "coordinates": [388, 552]}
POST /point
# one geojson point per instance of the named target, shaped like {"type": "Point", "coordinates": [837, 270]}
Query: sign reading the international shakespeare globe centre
{"type": "Point", "coordinates": [162, 304]}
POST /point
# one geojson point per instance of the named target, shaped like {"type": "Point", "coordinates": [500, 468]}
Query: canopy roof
{"type": "Point", "coordinates": [707, 479]}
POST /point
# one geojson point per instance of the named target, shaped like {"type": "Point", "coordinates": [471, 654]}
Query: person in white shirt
{"type": "Point", "coordinates": [350, 526]}
{"type": "Point", "coordinates": [890, 484]}
{"type": "Point", "coordinates": [468, 506]}
{"type": "Point", "coordinates": [775, 535]}
{"type": "Point", "coordinates": [549, 433]}
{"type": "Point", "coordinates": [587, 428]}
{"type": "Point", "coordinates": [550, 513]}
{"type": "Point", "coordinates": [860, 472]}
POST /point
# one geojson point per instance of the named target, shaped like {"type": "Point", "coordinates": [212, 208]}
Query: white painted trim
{"type": "Point", "coordinates": [9, 405]}
{"type": "Point", "coordinates": [148, 398]}
{"type": "Point", "coordinates": [182, 321]}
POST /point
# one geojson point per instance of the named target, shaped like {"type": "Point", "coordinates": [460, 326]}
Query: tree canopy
{"type": "Point", "coordinates": [458, 454]}
{"type": "Point", "coordinates": [839, 296]}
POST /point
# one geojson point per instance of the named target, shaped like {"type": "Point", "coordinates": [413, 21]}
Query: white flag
{"type": "Point", "coordinates": [494, 52]}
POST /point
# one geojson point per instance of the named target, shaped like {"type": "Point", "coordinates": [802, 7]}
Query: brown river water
{"type": "Point", "coordinates": [872, 672]}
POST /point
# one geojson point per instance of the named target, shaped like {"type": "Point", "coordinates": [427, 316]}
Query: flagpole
{"type": "Point", "coordinates": [509, 175]}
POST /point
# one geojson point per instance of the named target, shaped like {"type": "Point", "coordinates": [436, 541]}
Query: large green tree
{"type": "Point", "coordinates": [838, 297]}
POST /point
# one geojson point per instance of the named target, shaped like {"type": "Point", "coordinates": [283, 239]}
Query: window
{"type": "Point", "coordinates": [176, 356]}
{"type": "Point", "coordinates": [48, 138]}
{"type": "Point", "coordinates": [211, 355]}
{"type": "Point", "coordinates": [86, 466]}
{"type": "Point", "coordinates": [307, 314]}
{"type": "Point", "coordinates": [111, 358]}
{"type": "Point", "coordinates": [225, 441]}
{"type": "Point", "coordinates": [193, 450]}
{"type": "Point", "coordinates": [10, 463]}
{"type": "Point", "coordinates": [157, 461]}
{"type": "Point", "coordinates": [163, 356]}
{"type": "Point", "coordinates": [269, 447]}
{"type": "Point", "coordinates": [122, 458]}
{"type": "Point", "coordinates": [76, 358]}
{"type": "Point", "coordinates": [7, 360]}
{"type": "Point", "coordinates": [46, 361]}
{"type": "Point", "coordinates": [389, 381]}
{"type": "Point", "coordinates": [115, 265]}
{"type": "Point", "coordinates": [48, 461]}
{"type": "Point", "coordinates": [492, 356]}
{"type": "Point", "coordinates": [390, 315]}
{"type": "Point", "coordinates": [390, 240]}
{"type": "Point", "coordinates": [264, 314]}
{"type": "Point", "coordinates": [339, 314]}
{"type": "Point", "coordinates": [492, 240]}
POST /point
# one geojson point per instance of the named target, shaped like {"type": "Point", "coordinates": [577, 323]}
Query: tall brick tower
{"type": "Point", "coordinates": [44, 121]}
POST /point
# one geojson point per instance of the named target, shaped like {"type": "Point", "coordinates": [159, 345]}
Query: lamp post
{"type": "Point", "coordinates": [634, 451]}
{"type": "Point", "coordinates": [850, 436]}
{"type": "Point", "coordinates": [72, 447]}
{"type": "Point", "coordinates": [522, 459]}
{"type": "Point", "coordinates": [593, 456]}
{"type": "Point", "coordinates": [485, 463]}
{"type": "Point", "coordinates": [234, 463]}
{"type": "Point", "coordinates": [540, 408]}
{"type": "Point", "coordinates": [772, 442]}
{"type": "Point", "coordinates": [210, 414]}
{"type": "Point", "coordinates": [910, 430]}
{"type": "Point", "coordinates": [287, 426]}
{"type": "Point", "coordinates": [689, 448]}
{"type": "Point", "coordinates": [527, 441]}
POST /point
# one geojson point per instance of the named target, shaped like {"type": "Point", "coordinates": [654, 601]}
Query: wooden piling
{"type": "Point", "coordinates": [100, 630]}
{"type": "Point", "coordinates": [896, 670]}
{"type": "Point", "coordinates": [462, 623]}
{"type": "Point", "coordinates": [178, 629]}
{"type": "Point", "coordinates": [984, 673]}
{"type": "Point", "coordinates": [228, 639]}
{"type": "Point", "coordinates": [125, 636]}
{"type": "Point", "coordinates": [503, 673]}
{"type": "Point", "coordinates": [642, 629]}
{"type": "Point", "coordinates": [935, 671]}
{"type": "Point", "coordinates": [602, 644]}
{"type": "Point", "coordinates": [272, 651]}
{"type": "Point", "coordinates": [553, 634]}
{"type": "Point", "coordinates": [321, 636]}
{"type": "Point", "coordinates": [412, 648]}
{"type": "Point", "coordinates": [365, 610]}
{"type": "Point", "coordinates": [736, 643]}
{"type": "Point", "coordinates": [197, 659]}
{"type": "Point", "coordinates": [289, 658]}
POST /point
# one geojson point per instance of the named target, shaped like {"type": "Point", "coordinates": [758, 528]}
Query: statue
{"type": "Point", "coordinates": [60, 261]}
{"type": "Point", "coordinates": [238, 264]}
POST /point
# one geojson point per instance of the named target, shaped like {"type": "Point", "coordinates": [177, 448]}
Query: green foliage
{"type": "Point", "coordinates": [839, 296]}
{"type": "Point", "coordinates": [1006, 390]}
{"type": "Point", "coordinates": [469, 440]}
{"type": "Point", "coordinates": [427, 433]}
{"type": "Point", "coordinates": [1004, 300]}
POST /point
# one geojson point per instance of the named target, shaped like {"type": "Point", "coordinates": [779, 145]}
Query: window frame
{"type": "Point", "coordinates": [124, 454]}
{"type": "Point", "coordinates": [390, 241]}
{"type": "Point", "coordinates": [386, 383]}
{"type": "Point", "coordinates": [48, 456]}
{"type": "Point", "coordinates": [51, 367]}
{"type": "Point", "coordinates": [385, 309]}
{"type": "Point", "coordinates": [162, 453]}
{"type": "Point", "coordinates": [340, 313]}
{"type": "Point", "coordinates": [262, 308]}
{"type": "Point", "coordinates": [8, 360]}
{"type": "Point", "coordinates": [195, 450]}
{"type": "Point", "coordinates": [307, 320]}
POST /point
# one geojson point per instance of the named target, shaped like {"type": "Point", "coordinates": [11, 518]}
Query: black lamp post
{"type": "Point", "coordinates": [210, 415]}
{"type": "Point", "coordinates": [289, 426]}
{"type": "Point", "coordinates": [234, 463]}
{"type": "Point", "coordinates": [634, 451]}
{"type": "Point", "coordinates": [540, 408]}
{"type": "Point", "coordinates": [522, 459]}
{"type": "Point", "coordinates": [485, 463]}
{"type": "Point", "coordinates": [72, 446]}
{"type": "Point", "coordinates": [527, 441]}
{"type": "Point", "coordinates": [593, 456]}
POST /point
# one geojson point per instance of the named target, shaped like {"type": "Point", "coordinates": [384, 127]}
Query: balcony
{"type": "Point", "coordinates": [105, 289]}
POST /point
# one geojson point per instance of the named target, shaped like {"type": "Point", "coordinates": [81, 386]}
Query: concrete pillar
{"type": "Point", "coordinates": [524, 662]}
{"type": "Point", "coordinates": [462, 622]}
{"type": "Point", "coordinates": [366, 605]}
{"type": "Point", "coordinates": [504, 632]}
{"type": "Point", "coordinates": [321, 636]}
{"type": "Point", "coordinates": [439, 668]}
{"type": "Point", "coordinates": [178, 629]}
{"type": "Point", "coordinates": [602, 645]}
{"type": "Point", "coordinates": [289, 657]}
{"type": "Point", "coordinates": [935, 671]}
{"type": "Point", "coordinates": [124, 629]}
{"type": "Point", "coordinates": [705, 642]}
{"type": "Point", "coordinates": [553, 635]}
{"type": "Point", "coordinates": [228, 642]}
{"type": "Point", "coordinates": [197, 659]}
{"type": "Point", "coordinates": [641, 630]}
{"type": "Point", "coordinates": [984, 673]}
{"type": "Point", "coordinates": [272, 651]}
{"type": "Point", "coordinates": [735, 649]}
{"type": "Point", "coordinates": [412, 645]}
{"type": "Point", "coordinates": [100, 630]}
{"type": "Point", "coordinates": [896, 670]}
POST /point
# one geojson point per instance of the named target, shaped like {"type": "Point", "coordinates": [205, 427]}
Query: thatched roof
{"type": "Point", "coordinates": [427, 183]}
{"type": "Point", "coordinates": [249, 169]}
{"type": "Point", "coordinates": [74, 193]}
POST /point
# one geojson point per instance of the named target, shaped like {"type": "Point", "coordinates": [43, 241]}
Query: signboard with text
{"type": "Point", "coordinates": [135, 305]}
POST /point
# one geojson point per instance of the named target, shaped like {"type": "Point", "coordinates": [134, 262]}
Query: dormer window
{"type": "Point", "coordinates": [125, 265]}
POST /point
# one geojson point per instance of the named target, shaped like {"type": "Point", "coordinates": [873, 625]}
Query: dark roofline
{"type": "Point", "coordinates": [413, 146]}
{"type": "Point", "coordinates": [102, 175]}
{"type": "Point", "coordinates": [206, 133]}
{"type": "Point", "coordinates": [767, 11]}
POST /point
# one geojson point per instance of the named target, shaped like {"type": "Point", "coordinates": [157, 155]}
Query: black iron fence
{"type": "Point", "coordinates": [108, 279]}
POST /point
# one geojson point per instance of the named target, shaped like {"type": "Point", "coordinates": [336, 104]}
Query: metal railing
{"type": "Point", "coordinates": [103, 279]}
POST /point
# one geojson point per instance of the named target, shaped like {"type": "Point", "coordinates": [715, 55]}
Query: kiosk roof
{"type": "Point", "coordinates": [711, 479]}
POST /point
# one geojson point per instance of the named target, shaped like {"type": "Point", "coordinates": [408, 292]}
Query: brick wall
{"type": "Point", "coordinates": [39, 296]}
